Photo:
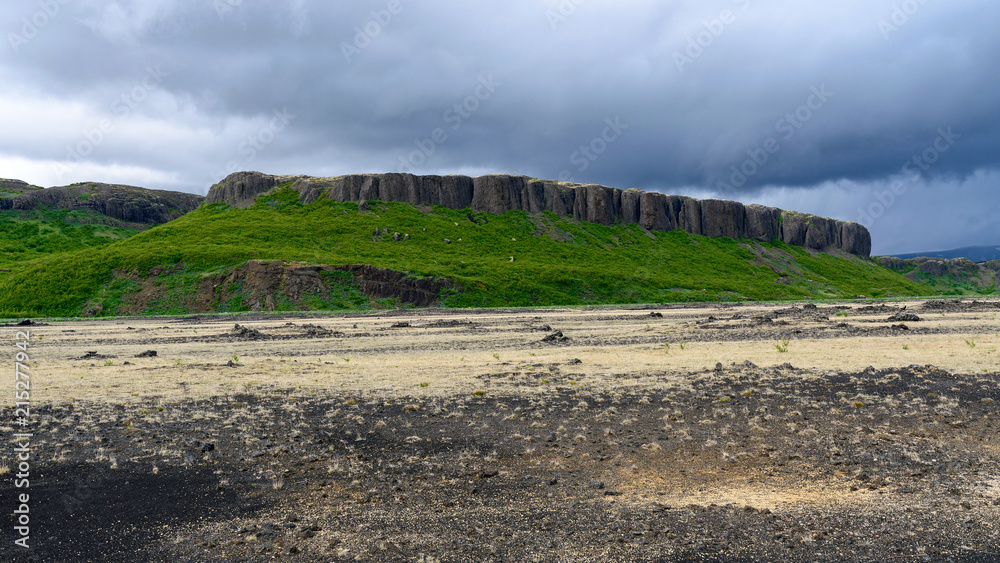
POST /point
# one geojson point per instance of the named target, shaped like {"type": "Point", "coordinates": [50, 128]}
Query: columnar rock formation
{"type": "Point", "coordinates": [135, 206]}
{"type": "Point", "coordinates": [585, 202]}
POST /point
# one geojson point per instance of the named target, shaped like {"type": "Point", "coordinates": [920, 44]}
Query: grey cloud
{"type": "Point", "coordinates": [688, 128]}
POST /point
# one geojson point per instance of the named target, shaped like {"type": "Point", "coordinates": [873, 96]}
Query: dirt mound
{"type": "Point", "coordinates": [958, 306]}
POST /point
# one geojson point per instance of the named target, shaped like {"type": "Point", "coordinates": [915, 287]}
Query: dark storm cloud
{"type": "Point", "coordinates": [725, 97]}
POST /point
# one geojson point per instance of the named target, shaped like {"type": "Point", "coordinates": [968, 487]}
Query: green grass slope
{"type": "Point", "coordinates": [555, 261]}
{"type": "Point", "coordinates": [27, 235]}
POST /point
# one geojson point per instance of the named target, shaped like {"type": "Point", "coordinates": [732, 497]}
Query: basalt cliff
{"type": "Point", "coordinates": [584, 202]}
{"type": "Point", "coordinates": [129, 205]}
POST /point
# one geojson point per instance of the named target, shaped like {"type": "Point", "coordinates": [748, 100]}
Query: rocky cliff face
{"type": "Point", "coordinates": [128, 204]}
{"type": "Point", "coordinates": [9, 187]}
{"type": "Point", "coordinates": [585, 202]}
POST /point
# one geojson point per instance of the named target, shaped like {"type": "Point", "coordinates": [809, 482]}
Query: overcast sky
{"type": "Point", "coordinates": [884, 112]}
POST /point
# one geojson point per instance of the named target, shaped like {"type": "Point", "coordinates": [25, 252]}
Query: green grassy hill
{"type": "Point", "coordinates": [28, 235]}
{"type": "Point", "coordinates": [555, 262]}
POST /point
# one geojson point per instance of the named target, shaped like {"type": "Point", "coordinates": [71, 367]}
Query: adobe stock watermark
{"type": "Point", "coordinates": [713, 29]}
{"type": "Point", "coordinates": [122, 107]}
{"type": "Point", "coordinates": [563, 12]}
{"type": "Point", "coordinates": [901, 14]}
{"type": "Point", "coordinates": [223, 7]}
{"type": "Point", "coordinates": [909, 171]}
{"type": "Point", "coordinates": [32, 25]}
{"type": "Point", "coordinates": [454, 116]}
{"type": "Point", "coordinates": [256, 142]}
{"type": "Point", "coordinates": [587, 154]}
{"type": "Point", "coordinates": [788, 126]}
{"type": "Point", "coordinates": [367, 32]}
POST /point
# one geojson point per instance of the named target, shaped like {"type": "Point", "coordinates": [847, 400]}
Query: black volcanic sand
{"type": "Point", "coordinates": [750, 464]}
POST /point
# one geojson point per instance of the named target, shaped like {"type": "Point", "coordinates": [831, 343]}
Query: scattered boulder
{"type": "Point", "coordinates": [556, 336]}
{"type": "Point", "coordinates": [316, 330]}
{"type": "Point", "coordinates": [94, 356]}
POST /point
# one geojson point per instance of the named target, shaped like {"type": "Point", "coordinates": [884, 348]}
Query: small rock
{"type": "Point", "coordinates": [596, 484]}
{"type": "Point", "coordinates": [397, 237]}
{"type": "Point", "coordinates": [487, 473]}
{"type": "Point", "coordinates": [718, 366]}
{"type": "Point", "coordinates": [575, 361]}
{"type": "Point", "coordinates": [656, 315]}
{"type": "Point", "coordinates": [556, 336]}
{"type": "Point", "coordinates": [147, 354]}
{"type": "Point", "coordinates": [406, 236]}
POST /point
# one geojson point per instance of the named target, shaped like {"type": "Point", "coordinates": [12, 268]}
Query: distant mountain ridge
{"type": "Point", "coordinates": [973, 253]}
{"type": "Point", "coordinates": [499, 193]}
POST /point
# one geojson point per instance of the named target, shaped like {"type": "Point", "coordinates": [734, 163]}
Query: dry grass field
{"type": "Point", "coordinates": [703, 432]}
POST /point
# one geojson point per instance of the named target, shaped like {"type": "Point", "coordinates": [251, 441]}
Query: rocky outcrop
{"type": "Point", "coordinates": [945, 273]}
{"type": "Point", "coordinates": [9, 187]}
{"type": "Point", "coordinates": [499, 193]}
{"type": "Point", "coordinates": [259, 281]}
{"type": "Point", "coordinates": [133, 206]}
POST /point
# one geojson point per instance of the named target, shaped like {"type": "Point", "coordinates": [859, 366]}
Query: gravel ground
{"type": "Point", "coordinates": [732, 462]}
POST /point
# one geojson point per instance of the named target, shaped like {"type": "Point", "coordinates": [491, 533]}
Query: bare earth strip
{"type": "Point", "coordinates": [711, 432]}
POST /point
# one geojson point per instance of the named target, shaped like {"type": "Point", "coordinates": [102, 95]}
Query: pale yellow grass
{"type": "Point", "coordinates": [458, 360]}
